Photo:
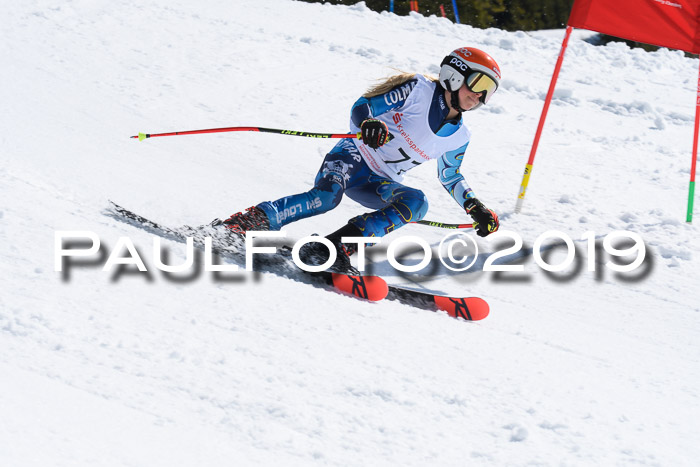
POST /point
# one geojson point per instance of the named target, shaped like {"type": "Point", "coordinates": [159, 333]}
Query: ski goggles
{"type": "Point", "coordinates": [481, 82]}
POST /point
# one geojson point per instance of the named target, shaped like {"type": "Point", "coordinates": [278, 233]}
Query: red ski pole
{"type": "Point", "coordinates": [142, 136]}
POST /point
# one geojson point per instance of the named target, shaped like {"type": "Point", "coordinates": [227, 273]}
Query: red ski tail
{"type": "Point", "coordinates": [372, 288]}
{"type": "Point", "coordinates": [471, 308]}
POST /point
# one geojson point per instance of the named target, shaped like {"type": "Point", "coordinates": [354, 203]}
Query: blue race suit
{"type": "Point", "coordinates": [345, 169]}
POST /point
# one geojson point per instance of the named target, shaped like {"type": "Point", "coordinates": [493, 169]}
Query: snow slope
{"type": "Point", "coordinates": [126, 368]}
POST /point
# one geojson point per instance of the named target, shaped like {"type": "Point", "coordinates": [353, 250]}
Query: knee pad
{"type": "Point", "coordinates": [409, 205]}
{"type": "Point", "coordinates": [416, 204]}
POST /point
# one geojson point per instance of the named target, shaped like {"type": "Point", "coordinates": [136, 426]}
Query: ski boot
{"type": "Point", "coordinates": [315, 254]}
{"type": "Point", "coordinates": [253, 218]}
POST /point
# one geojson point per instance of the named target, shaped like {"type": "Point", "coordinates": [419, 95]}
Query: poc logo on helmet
{"type": "Point", "coordinates": [465, 51]}
{"type": "Point", "coordinates": [459, 64]}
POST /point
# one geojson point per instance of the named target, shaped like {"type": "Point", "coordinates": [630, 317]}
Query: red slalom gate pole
{"type": "Point", "coordinates": [691, 189]}
{"type": "Point", "coordinates": [142, 136]}
{"type": "Point", "coordinates": [548, 99]}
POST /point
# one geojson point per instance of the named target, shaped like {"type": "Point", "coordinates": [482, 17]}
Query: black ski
{"type": "Point", "coordinates": [229, 246]}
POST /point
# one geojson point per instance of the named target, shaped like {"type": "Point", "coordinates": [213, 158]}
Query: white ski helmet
{"type": "Point", "coordinates": [472, 67]}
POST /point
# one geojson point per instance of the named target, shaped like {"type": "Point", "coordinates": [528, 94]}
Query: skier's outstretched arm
{"type": "Point", "coordinates": [485, 220]}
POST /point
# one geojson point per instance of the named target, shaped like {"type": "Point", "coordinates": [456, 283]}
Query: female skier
{"type": "Point", "coordinates": [404, 121]}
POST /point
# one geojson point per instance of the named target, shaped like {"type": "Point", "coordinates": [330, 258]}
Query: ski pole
{"type": "Point", "coordinates": [142, 136]}
{"type": "Point", "coordinates": [443, 225]}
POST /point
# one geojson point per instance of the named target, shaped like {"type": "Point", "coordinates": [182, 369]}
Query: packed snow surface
{"type": "Point", "coordinates": [121, 367]}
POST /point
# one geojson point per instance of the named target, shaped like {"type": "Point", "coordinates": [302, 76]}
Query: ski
{"type": "Point", "coordinates": [230, 246]}
{"type": "Point", "coordinates": [467, 308]}
{"type": "Point", "coordinates": [372, 288]}
{"type": "Point", "coordinates": [367, 287]}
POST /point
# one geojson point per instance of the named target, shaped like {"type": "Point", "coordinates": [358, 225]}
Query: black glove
{"type": "Point", "coordinates": [485, 220]}
{"type": "Point", "coordinates": [374, 133]}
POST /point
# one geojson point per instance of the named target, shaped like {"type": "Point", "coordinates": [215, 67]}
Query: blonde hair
{"type": "Point", "coordinates": [387, 84]}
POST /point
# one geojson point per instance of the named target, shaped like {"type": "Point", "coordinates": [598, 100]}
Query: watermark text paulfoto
{"type": "Point", "coordinates": [457, 251]}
